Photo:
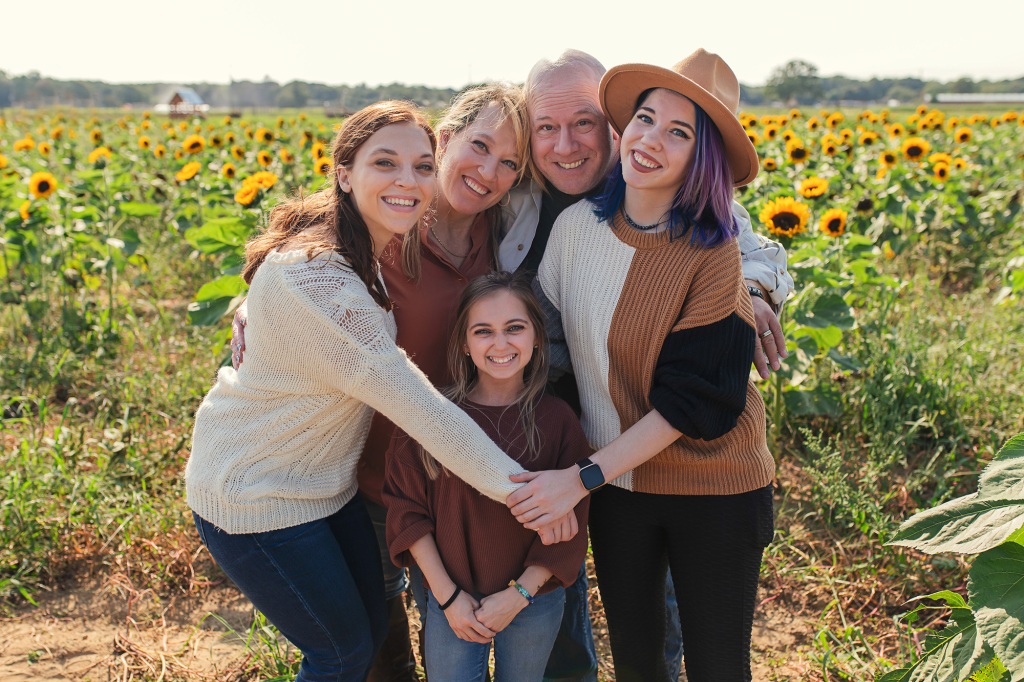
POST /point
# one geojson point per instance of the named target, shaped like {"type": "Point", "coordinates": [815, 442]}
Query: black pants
{"type": "Point", "coordinates": [713, 545]}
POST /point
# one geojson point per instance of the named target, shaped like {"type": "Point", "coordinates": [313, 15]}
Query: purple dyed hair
{"type": "Point", "coordinates": [703, 202]}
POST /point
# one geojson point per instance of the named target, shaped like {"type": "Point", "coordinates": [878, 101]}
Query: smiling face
{"type": "Point", "coordinates": [499, 339]}
{"type": "Point", "coordinates": [657, 146]}
{"type": "Point", "coordinates": [391, 180]}
{"type": "Point", "coordinates": [571, 143]}
{"type": "Point", "coordinates": [480, 163]}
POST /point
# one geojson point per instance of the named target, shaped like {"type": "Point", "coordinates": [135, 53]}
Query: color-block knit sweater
{"type": "Point", "coordinates": [276, 443]}
{"type": "Point", "coordinates": [656, 324]}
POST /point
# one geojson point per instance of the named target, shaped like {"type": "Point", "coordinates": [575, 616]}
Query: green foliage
{"type": "Point", "coordinates": [985, 636]}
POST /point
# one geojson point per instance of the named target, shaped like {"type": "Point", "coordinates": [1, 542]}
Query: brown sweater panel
{"type": "Point", "coordinates": [674, 286]}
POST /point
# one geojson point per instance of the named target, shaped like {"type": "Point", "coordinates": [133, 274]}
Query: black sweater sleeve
{"type": "Point", "coordinates": [700, 380]}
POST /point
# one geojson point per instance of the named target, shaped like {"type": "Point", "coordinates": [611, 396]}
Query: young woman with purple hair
{"type": "Point", "coordinates": [643, 284]}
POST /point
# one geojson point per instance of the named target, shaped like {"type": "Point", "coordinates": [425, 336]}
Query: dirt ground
{"type": "Point", "coordinates": [100, 632]}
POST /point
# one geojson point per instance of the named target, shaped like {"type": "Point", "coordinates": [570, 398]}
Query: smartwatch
{"type": "Point", "coordinates": [755, 291]}
{"type": "Point", "coordinates": [590, 475]}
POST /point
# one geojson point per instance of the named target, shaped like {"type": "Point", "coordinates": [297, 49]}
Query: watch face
{"type": "Point", "coordinates": [592, 477]}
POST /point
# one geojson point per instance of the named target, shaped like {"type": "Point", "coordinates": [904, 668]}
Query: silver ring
{"type": "Point", "coordinates": [765, 334]}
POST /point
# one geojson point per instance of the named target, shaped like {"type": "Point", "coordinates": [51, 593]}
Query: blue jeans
{"type": "Point", "coordinates": [520, 650]}
{"type": "Point", "coordinates": [319, 583]}
{"type": "Point", "coordinates": [673, 632]}
{"type": "Point", "coordinates": [573, 658]}
{"type": "Point", "coordinates": [396, 580]}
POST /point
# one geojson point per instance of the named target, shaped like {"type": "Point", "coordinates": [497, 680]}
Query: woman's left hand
{"type": "Point", "coordinates": [547, 496]}
{"type": "Point", "coordinates": [499, 609]}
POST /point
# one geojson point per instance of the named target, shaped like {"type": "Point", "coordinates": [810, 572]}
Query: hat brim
{"type": "Point", "coordinates": [623, 85]}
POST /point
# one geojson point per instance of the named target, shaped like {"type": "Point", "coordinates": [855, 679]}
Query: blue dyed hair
{"type": "Point", "coordinates": [702, 205]}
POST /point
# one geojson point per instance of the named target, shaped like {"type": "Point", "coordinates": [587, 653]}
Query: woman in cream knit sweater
{"type": "Point", "coordinates": [271, 479]}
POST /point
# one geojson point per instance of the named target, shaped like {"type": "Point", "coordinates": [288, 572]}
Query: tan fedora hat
{"type": "Point", "coordinates": [702, 77]}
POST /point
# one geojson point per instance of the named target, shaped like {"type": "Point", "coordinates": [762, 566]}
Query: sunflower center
{"type": "Point", "coordinates": [44, 186]}
{"type": "Point", "coordinates": [914, 150]}
{"type": "Point", "coordinates": [834, 225]}
{"type": "Point", "coordinates": [786, 220]}
{"type": "Point", "coordinates": [799, 153]}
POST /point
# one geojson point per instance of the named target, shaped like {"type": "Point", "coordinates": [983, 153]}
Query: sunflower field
{"type": "Point", "coordinates": [123, 239]}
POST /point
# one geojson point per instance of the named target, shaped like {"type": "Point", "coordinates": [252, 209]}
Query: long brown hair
{"type": "Point", "coordinates": [465, 374]}
{"type": "Point", "coordinates": [328, 220]}
{"type": "Point", "coordinates": [464, 110]}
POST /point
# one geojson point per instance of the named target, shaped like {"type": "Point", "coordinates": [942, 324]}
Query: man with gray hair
{"type": "Point", "coordinates": [572, 150]}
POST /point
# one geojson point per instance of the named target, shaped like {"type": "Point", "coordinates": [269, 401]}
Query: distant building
{"type": "Point", "coordinates": [182, 103]}
{"type": "Point", "coordinates": [979, 97]}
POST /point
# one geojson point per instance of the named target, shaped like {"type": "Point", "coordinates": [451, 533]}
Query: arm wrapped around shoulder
{"type": "Point", "coordinates": [700, 380]}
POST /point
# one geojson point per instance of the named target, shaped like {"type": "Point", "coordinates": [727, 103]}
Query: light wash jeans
{"type": "Point", "coordinates": [520, 650]}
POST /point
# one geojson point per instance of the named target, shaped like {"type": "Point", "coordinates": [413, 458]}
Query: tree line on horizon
{"type": "Point", "coordinates": [796, 82]}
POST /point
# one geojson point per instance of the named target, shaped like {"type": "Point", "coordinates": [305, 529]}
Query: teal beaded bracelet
{"type": "Point", "coordinates": [521, 590]}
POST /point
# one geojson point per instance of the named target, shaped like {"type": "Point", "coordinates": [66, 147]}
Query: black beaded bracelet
{"type": "Point", "coordinates": [451, 599]}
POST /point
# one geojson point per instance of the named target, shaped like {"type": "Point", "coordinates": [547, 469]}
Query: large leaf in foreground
{"type": "Point", "coordinates": [949, 655]}
{"type": "Point", "coordinates": [967, 525]}
{"type": "Point", "coordinates": [997, 597]}
{"type": "Point", "coordinates": [215, 299]}
{"type": "Point", "coordinates": [1004, 475]}
{"type": "Point", "coordinates": [219, 235]}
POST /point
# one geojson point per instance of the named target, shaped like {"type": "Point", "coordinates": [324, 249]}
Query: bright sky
{"type": "Point", "coordinates": [445, 43]}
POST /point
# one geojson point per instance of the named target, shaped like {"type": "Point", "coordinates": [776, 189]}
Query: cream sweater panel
{"type": "Point", "coordinates": [276, 443]}
{"type": "Point", "coordinates": [579, 248]}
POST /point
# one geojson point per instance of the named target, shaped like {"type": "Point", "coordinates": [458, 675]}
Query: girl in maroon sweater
{"type": "Point", "coordinates": [489, 579]}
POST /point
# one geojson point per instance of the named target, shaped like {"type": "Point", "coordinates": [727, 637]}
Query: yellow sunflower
{"type": "Point", "coordinates": [813, 123]}
{"type": "Point", "coordinates": [228, 171]}
{"type": "Point", "coordinates": [940, 157]}
{"type": "Point", "coordinates": [897, 130]}
{"type": "Point", "coordinates": [286, 156]}
{"type": "Point", "coordinates": [769, 164]}
{"type": "Point", "coordinates": [785, 216]}
{"type": "Point", "coordinates": [96, 135]}
{"type": "Point", "coordinates": [914, 148]}
{"type": "Point", "coordinates": [846, 135]}
{"type": "Point", "coordinates": [144, 142]}
{"type": "Point", "coordinates": [264, 135]}
{"type": "Point", "coordinates": [795, 113]}
{"type": "Point", "coordinates": [788, 134]}
{"type": "Point", "coordinates": [229, 137]}
{"type": "Point", "coordinates": [833, 223]}
{"type": "Point", "coordinates": [940, 171]}
{"type": "Point", "coordinates": [264, 158]}
{"type": "Point", "coordinates": [193, 144]}
{"type": "Point", "coordinates": [24, 144]}
{"type": "Point", "coordinates": [44, 148]}
{"type": "Point", "coordinates": [868, 138]}
{"type": "Point", "coordinates": [752, 135]}
{"type": "Point", "coordinates": [178, 154]}
{"type": "Point", "coordinates": [262, 179]}
{"type": "Point", "coordinates": [959, 163]}
{"type": "Point", "coordinates": [159, 151]}
{"type": "Point", "coordinates": [183, 126]}
{"type": "Point", "coordinates": [238, 152]}
{"type": "Point", "coordinates": [216, 141]}
{"type": "Point", "coordinates": [829, 147]}
{"type": "Point", "coordinates": [834, 119]}
{"type": "Point", "coordinates": [57, 133]}
{"type": "Point", "coordinates": [319, 150]}
{"type": "Point", "coordinates": [42, 184]}
{"type": "Point", "coordinates": [813, 187]}
{"type": "Point", "coordinates": [187, 172]}
{"type": "Point", "coordinates": [97, 154]}
{"type": "Point", "coordinates": [322, 166]}
{"type": "Point", "coordinates": [3, 161]}
{"type": "Point", "coordinates": [1010, 116]}
{"type": "Point", "coordinates": [796, 151]}
{"type": "Point", "coordinates": [888, 158]}
{"type": "Point", "coordinates": [146, 125]}
{"type": "Point", "coordinates": [24, 211]}
{"type": "Point", "coordinates": [247, 194]}
{"type": "Point", "coordinates": [963, 134]}
{"type": "Point", "coordinates": [771, 131]}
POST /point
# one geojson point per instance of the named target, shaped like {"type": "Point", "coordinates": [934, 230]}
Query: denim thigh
{"type": "Point", "coordinates": [319, 583]}
{"type": "Point", "coordinates": [521, 649]}
{"type": "Point", "coordinates": [448, 658]}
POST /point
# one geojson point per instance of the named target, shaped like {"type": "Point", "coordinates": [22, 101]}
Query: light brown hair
{"type": "Point", "coordinates": [328, 220]}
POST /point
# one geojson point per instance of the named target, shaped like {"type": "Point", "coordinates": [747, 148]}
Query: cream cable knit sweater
{"type": "Point", "coordinates": [276, 443]}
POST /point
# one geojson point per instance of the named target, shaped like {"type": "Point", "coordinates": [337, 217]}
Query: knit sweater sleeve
{"type": "Point", "coordinates": [359, 357]}
{"type": "Point", "coordinates": [406, 497]}
{"type": "Point", "coordinates": [563, 559]}
{"type": "Point", "coordinates": [700, 379]}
